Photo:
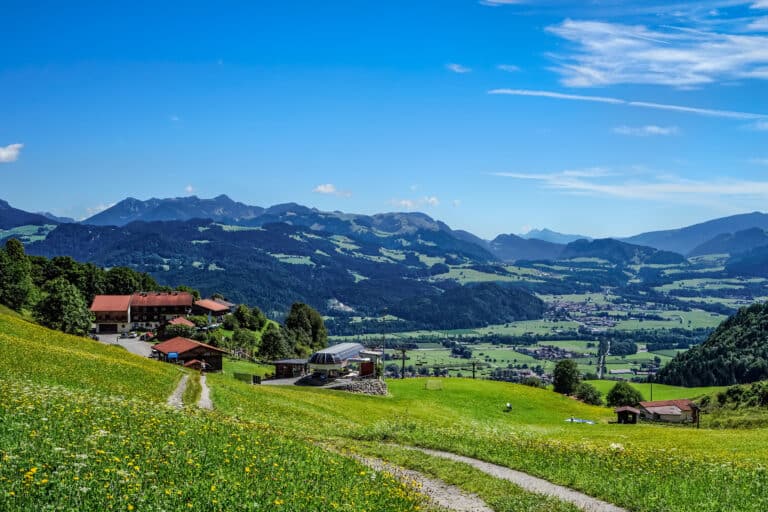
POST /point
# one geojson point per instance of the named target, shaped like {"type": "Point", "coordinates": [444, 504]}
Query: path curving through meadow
{"type": "Point", "coordinates": [175, 400]}
{"type": "Point", "coordinates": [528, 482]}
{"type": "Point", "coordinates": [205, 395]}
{"type": "Point", "coordinates": [438, 492]}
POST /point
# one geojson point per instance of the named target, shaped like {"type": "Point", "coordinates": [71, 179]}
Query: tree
{"type": "Point", "coordinates": [243, 315]}
{"type": "Point", "coordinates": [63, 308]}
{"type": "Point", "coordinates": [243, 338]}
{"type": "Point", "coordinates": [15, 275]}
{"type": "Point", "coordinates": [566, 376]}
{"type": "Point", "coordinates": [258, 320]}
{"type": "Point", "coordinates": [589, 394]}
{"type": "Point", "coordinates": [189, 289]}
{"type": "Point", "coordinates": [273, 344]}
{"type": "Point", "coordinates": [122, 281]}
{"type": "Point", "coordinates": [305, 329]}
{"type": "Point", "coordinates": [623, 394]}
{"type": "Point", "coordinates": [175, 331]}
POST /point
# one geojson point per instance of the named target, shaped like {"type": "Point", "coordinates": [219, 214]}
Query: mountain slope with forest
{"type": "Point", "coordinates": [735, 353]}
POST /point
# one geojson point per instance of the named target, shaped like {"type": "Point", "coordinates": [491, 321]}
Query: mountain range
{"type": "Point", "coordinates": [346, 263]}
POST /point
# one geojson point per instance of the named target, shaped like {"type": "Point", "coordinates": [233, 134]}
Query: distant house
{"type": "Point", "coordinates": [230, 305]}
{"type": "Point", "coordinates": [671, 411]}
{"type": "Point", "coordinates": [186, 351]}
{"type": "Point", "coordinates": [151, 309]}
{"type": "Point", "coordinates": [210, 308]}
{"type": "Point", "coordinates": [147, 310]}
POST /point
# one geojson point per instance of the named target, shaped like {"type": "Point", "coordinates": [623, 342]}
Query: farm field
{"type": "Point", "coordinates": [660, 391]}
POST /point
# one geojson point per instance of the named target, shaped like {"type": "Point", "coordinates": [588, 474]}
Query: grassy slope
{"type": "Point", "coordinates": [642, 467]}
{"type": "Point", "coordinates": [660, 391]}
{"type": "Point", "coordinates": [83, 428]}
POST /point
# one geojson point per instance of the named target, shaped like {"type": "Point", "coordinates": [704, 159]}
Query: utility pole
{"type": "Point", "coordinates": [402, 372]}
{"type": "Point", "coordinates": [474, 366]}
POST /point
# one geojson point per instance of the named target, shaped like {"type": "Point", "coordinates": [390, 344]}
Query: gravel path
{"type": "Point", "coordinates": [205, 395]}
{"type": "Point", "coordinates": [440, 493]}
{"type": "Point", "coordinates": [175, 399]}
{"type": "Point", "coordinates": [529, 483]}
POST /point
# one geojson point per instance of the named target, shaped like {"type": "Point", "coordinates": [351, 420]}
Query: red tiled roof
{"type": "Point", "coordinates": [111, 303]}
{"type": "Point", "coordinates": [181, 345]}
{"type": "Point", "coordinates": [682, 404]}
{"type": "Point", "coordinates": [211, 305]}
{"type": "Point", "coordinates": [149, 299]}
{"type": "Point", "coordinates": [182, 321]}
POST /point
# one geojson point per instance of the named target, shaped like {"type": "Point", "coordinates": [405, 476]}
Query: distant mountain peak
{"type": "Point", "coordinates": [552, 236]}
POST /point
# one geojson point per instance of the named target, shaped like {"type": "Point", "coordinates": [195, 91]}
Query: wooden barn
{"type": "Point", "coordinates": [627, 415]}
{"type": "Point", "coordinates": [183, 351]}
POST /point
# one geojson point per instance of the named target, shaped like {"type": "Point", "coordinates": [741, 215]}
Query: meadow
{"type": "Point", "coordinates": [93, 433]}
{"type": "Point", "coordinates": [84, 427]}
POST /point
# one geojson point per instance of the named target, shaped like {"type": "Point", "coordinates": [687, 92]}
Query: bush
{"type": "Point", "coordinates": [623, 394]}
{"type": "Point", "coordinates": [589, 394]}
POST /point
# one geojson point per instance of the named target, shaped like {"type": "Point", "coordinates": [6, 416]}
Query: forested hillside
{"type": "Point", "coordinates": [735, 353]}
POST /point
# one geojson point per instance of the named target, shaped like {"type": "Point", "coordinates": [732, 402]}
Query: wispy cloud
{"type": "Point", "coordinates": [413, 204]}
{"type": "Point", "coordinates": [174, 118]}
{"type": "Point", "coordinates": [646, 131]}
{"type": "Point", "coordinates": [189, 189]}
{"type": "Point", "coordinates": [760, 4]}
{"type": "Point", "coordinates": [10, 153]}
{"type": "Point", "coordinates": [458, 68]}
{"type": "Point", "coordinates": [642, 104]}
{"type": "Point", "coordinates": [612, 53]}
{"type": "Point", "coordinates": [761, 126]}
{"type": "Point", "coordinates": [93, 210]}
{"type": "Point", "coordinates": [497, 3]}
{"type": "Point", "coordinates": [661, 188]}
{"type": "Point", "coordinates": [329, 189]}
{"type": "Point", "coordinates": [509, 68]}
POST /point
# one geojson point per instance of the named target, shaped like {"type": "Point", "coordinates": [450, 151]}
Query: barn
{"type": "Point", "coordinates": [670, 411]}
{"type": "Point", "coordinates": [183, 351]}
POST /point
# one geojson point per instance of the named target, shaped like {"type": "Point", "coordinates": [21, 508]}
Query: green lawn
{"type": "Point", "coordinates": [660, 391]}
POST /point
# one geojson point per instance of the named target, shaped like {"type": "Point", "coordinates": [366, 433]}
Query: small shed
{"type": "Point", "coordinates": [627, 414]}
{"type": "Point", "coordinates": [290, 368]}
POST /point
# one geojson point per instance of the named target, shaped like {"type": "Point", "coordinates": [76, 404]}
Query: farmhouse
{"type": "Point", "coordinates": [190, 352]}
{"type": "Point", "coordinates": [112, 313]}
{"type": "Point", "coordinates": [671, 411]}
{"type": "Point", "coordinates": [210, 308]}
{"type": "Point", "coordinates": [147, 310]}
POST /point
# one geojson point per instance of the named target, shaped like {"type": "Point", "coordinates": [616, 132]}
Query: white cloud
{"type": "Point", "coordinates": [759, 161]}
{"type": "Point", "coordinates": [458, 68]}
{"type": "Point", "coordinates": [330, 189]}
{"type": "Point", "coordinates": [760, 4]}
{"type": "Point", "coordinates": [642, 104]}
{"type": "Point", "coordinates": [10, 153]}
{"type": "Point", "coordinates": [761, 126]}
{"type": "Point", "coordinates": [509, 68]}
{"type": "Point", "coordinates": [646, 131]}
{"type": "Point", "coordinates": [189, 189]}
{"type": "Point", "coordinates": [612, 53]}
{"type": "Point", "coordinates": [662, 188]}
{"type": "Point", "coordinates": [412, 204]}
{"type": "Point", "coordinates": [456, 203]}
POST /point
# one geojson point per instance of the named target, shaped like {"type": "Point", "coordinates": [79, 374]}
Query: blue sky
{"type": "Point", "coordinates": [495, 116]}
